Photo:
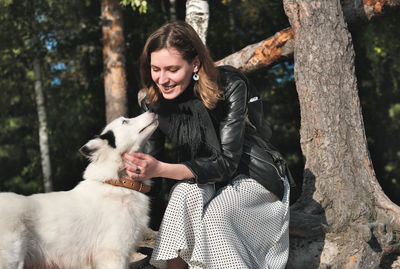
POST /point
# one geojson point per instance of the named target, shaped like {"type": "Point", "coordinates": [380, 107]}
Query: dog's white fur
{"type": "Point", "coordinates": [94, 225]}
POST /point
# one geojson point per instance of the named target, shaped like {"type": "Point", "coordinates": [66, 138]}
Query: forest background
{"type": "Point", "coordinates": [69, 46]}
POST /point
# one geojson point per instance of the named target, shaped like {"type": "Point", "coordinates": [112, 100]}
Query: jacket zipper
{"type": "Point", "coordinates": [264, 161]}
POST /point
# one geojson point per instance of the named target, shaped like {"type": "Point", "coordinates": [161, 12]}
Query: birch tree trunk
{"type": "Point", "coordinates": [43, 136]}
{"type": "Point", "coordinates": [197, 15]}
{"type": "Point", "coordinates": [342, 219]}
{"type": "Point", "coordinates": [115, 83]}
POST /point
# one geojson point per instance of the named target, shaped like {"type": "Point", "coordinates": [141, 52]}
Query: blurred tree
{"type": "Point", "coordinates": [30, 28]}
{"type": "Point", "coordinates": [43, 135]}
{"type": "Point", "coordinates": [68, 78]}
{"type": "Point", "coordinates": [35, 33]}
{"type": "Point", "coordinates": [115, 83]}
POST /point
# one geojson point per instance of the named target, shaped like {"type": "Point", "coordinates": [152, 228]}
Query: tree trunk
{"type": "Point", "coordinates": [172, 10]}
{"type": "Point", "coordinates": [197, 15]}
{"type": "Point", "coordinates": [350, 221]}
{"type": "Point", "coordinates": [231, 21]}
{"type": "Point", "coordinates": [280, 46]}
{"type": "Point", "coordinates": [43, 136]}
{"type": "Point", "coordinates": [164, 10]}
{"type": "Point", "coordinates": [115, 83]}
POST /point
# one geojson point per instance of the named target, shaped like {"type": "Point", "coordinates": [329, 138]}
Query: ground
{"type": "Point", "coordinates": [140, 259]}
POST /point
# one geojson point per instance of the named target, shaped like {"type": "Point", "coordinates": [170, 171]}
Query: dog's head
{"type": "Point", "coordinates": [122, 135]}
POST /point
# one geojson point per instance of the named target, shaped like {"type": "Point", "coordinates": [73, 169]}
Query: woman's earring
{"type": "Point", "coordinates": [195, 76]}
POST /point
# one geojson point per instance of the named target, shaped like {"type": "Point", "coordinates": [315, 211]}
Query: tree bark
{"type": "Point", "coordinates": [350, 221]}
{"type": "Point", "coordinates": [115, 83]}
{"type": "Point", "coordinates": [43, 136]}
{"type": "Point", "coordinates": [280, 46]}
{"type": "Point", "coordinates": [197, 15]}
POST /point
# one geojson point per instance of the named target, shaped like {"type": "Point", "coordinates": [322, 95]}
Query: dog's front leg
{"type": "Point", "coordinates": [12, 247]}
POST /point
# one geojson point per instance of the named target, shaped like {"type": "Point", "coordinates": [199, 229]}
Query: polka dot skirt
{"type": "Point", "coordinates": [243, 225]}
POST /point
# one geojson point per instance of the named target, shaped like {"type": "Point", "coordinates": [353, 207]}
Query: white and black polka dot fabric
{"type": "Point", "coordinates": [243, 225]}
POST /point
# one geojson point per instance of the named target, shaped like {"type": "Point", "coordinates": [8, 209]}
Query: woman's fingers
{"type": "Point", "coordinates": [133, 172]}
{"type": "Point", "coordinates": [133, 168]}
{"type": "Point", "coordinates": [140, 155]}
{"type": "Point", "coordinates": [134, 160]}
{"type": "Point", "coordinates": [130, 174]}
{"type": "Point", "coordinates": [129, 166]}
{"type": "Point", "coordinates": [139, 165]}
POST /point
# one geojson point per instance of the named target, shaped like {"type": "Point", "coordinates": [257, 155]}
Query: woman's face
{"type": "Point", "coordinates": [170, 72]}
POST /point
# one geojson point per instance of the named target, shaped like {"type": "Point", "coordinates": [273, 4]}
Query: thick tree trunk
{"type": "Point", "coordinates": [43, 136]}
{"type": "Point", "coordinates": [197, 15]}
{"type": "Point", "coordinates": [351, 223]}
{"type": "Point", "coordinates": [115, 83]}
{"type": "Point", "coordinates": [280, 46]}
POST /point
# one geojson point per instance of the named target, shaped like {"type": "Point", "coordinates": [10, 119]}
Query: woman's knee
{"type": "Point", "coordinates": [184, 189]}
{"type": "Point", "coordinates": [187, 191]}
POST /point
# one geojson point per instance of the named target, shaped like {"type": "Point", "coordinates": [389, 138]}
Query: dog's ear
{"type": "Point", "coordinates": [95, 144]}
{"type": "Point", "coordinates": [110, 137]}
{"type": "Point", "coordinates": [85, 151]}
{"type": "Point", "coordinates": [91, 147]}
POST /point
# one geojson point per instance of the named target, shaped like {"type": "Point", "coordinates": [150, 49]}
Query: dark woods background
{"type": "Point", "coordinates": [70, 47]}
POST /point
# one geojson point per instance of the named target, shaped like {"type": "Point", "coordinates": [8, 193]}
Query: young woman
{"type": "Point", "coordinates": [229, 208]}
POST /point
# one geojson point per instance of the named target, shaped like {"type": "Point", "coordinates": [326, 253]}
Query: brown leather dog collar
{"type": "Point", "coordinates": [130, 184]}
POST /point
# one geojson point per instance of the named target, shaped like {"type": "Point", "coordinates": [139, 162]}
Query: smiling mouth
{"type": "Point", "coordinates": [151, 123]}
{"type": "Point", "coordinates": [167, 88]}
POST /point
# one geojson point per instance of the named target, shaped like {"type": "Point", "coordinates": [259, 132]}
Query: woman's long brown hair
{"type": "Point", "coordinates": [183, 38]}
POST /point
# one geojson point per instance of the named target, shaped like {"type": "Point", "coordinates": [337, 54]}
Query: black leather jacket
{"type": "Point", "coordinates": [242, 148]}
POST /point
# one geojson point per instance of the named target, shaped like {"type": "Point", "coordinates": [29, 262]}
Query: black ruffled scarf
{"type": "Point", "coordinates": [187, 124]}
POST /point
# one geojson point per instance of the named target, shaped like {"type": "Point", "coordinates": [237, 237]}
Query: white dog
{"type": "Point", "coordinates": [94, 225]}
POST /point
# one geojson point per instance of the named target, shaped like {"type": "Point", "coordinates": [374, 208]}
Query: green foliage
{"type": "Point", "coordinates": [243, 23]}
{"type": "Point", "coordinates": [5, 3]}
{"type": "Point", "coordinates": [140, 5]}
{"type": "Point", "coordinates": [76, 43]}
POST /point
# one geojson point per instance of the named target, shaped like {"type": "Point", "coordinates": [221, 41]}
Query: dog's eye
{"type": "Point", "coordinates": [125, 121]}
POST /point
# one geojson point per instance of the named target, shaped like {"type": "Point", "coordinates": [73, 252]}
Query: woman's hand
{"type": "Point", "coordinates": [141, 166]}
